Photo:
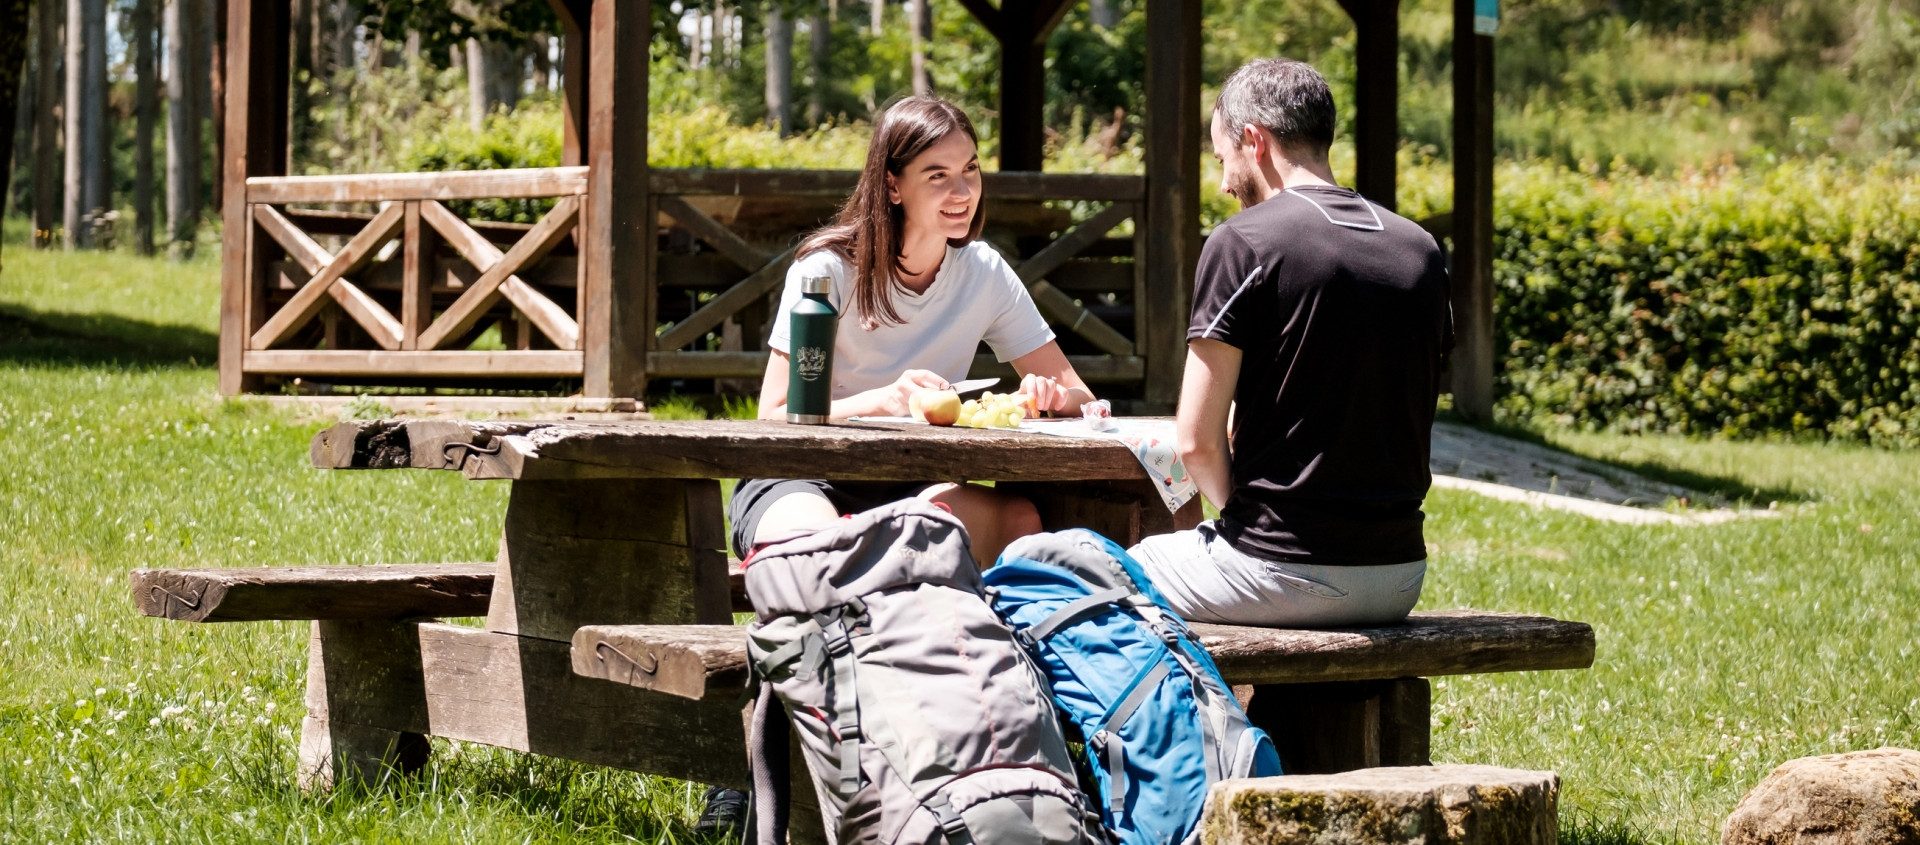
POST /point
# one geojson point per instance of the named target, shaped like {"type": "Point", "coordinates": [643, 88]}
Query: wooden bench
{"type": "Point", "coordinates": [388, 591]}
{"type": "Point", "coordinates": [1334, 700]}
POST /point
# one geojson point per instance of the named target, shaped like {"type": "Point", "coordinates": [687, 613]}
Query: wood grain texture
{"type": "Point", "coordinates": [313, 592]}
{"type": "Point", "coordinates": [1472, 262]}
{"type": "Point", "coordinates": [1073, 242]}
{"type": "Point", "coordinates": [539, 363]}
{"type": "Point", "coordinates": [1326, 728]}
{"type": "Point", "coordinates": [1263, 657]}
{"type": "Point", "coordinates": [753, 288]}
{"type": "Point", "coordinates": [764, 449]}
{"type": "Point", "coordinates": [697, 662]}
{"type": "Point", "coordinates": [498, 272]}
{"type": "Point", "coordinates": [518, 693]}
{"type": "Point", "coordinates": [610, 552]}
{"type": "Point", "coordinates": [1429, 643]}
{"type": "Point", "coordinates": [998, 185]}
{"type": "Point", "coordinates": [403, 444]}
{"type": "Point", "coordinates": [329, 277]}
{"type": "Point", "coordinates": [1171, 246]}
{"type": "Point", "coordinates": [722, 239]}
{"type": "Point", "coordinates": [526, 183]}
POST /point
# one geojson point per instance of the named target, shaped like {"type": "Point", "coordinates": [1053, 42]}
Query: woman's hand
{"type": "Point", "coordinates": [906, 385]}
{"type": "Point", "coordinates": [1050, 395]}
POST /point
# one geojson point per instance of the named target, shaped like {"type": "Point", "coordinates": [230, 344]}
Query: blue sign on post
{"type": "Point", "coordinates": [1486, 17]}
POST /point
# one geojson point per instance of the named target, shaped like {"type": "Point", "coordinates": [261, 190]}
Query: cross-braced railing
{"type": "Point", "coordinates": [414, 284]}
{"type": "Point", "coordinates": [1101, 290]}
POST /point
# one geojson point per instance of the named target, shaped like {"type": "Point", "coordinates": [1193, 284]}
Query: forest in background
{"type": "Point", "coordinates": [384, 85]}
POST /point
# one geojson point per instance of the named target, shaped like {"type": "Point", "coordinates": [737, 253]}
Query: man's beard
{"type": "Point", "coordinates": [1246, 189]}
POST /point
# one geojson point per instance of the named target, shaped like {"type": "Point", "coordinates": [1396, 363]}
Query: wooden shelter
{"type": "Point", "coordinates": [642, 273]}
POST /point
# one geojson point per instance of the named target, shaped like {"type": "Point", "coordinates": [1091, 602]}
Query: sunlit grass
{"type": "Point", "coordinates": [1723, 650]}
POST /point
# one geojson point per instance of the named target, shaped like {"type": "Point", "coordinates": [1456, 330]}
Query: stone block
{"type": "Point", "coordinates": [1406, 805]}
{"type": "Point", "coordinates": [1835, 799]}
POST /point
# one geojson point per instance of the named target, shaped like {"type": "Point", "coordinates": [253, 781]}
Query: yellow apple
{"type": "Point", "coordinates": [935, 407]}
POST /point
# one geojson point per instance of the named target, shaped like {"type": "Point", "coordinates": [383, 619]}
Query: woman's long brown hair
{"type": "Point", "coordinates": [868, 230]}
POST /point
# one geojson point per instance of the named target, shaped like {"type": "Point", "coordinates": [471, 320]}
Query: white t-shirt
{"type": "Point", "coordinates": [975, 296]}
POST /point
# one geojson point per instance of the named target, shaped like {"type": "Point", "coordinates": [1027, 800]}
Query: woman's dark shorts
{"type": "Point", "coordinates": [752, 497]}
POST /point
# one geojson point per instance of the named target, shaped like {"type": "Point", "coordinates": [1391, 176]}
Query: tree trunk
{"type": "Point", "coordinates": [146, 74]}
{"type": "Point", "coordinates": [16, 31]}
{"type": "Point", "coordinates": [876, 16]}
{"type": "Point", "coordinates": [543, 63]}
{"type": "Point", "coordinates": [299, 112]}
{"type": "Point", "coordinates": [780, 70]}
{"type": "Point", "coordinates": [920, 22]}
{"type": "Point", "coordinates": [477, 106]}
{"type": "Point", "coordinates": [87, 168]}
{"type": "Point", "coordinates": [1104, 13]}
{"type": "Point", "coordinates": [217, 106]}
{"type": "Point", "coordinates": [46, 121]}
{"type": "Point", "coordinates": [819, 54]}
{"type": "Point", "coordinates": [183, 130]}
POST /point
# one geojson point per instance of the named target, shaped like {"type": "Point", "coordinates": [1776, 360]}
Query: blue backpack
{"type": "Point", "coordinates": [1159, 723]}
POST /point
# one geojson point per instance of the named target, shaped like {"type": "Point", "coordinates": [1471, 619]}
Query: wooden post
{"type": "Point", "coordinates": [1323, 728]}
{"type": "Point", "coordinates": [1472, 362]}
{"type": "Point", "coordinates": [1023, 28]}
{"type": "Point", "coordinates": [575, 47]}
{"type": "Point", "coordinates": [1376, 99]}
{"type": "Point", "coordinates": [1173, 185]}
{"type": "Point", "coordinates": [256, 145]}
{"type": "Point", "coordinates": [617, 302]}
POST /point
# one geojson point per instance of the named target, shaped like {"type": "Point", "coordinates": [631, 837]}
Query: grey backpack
{"type": "Point", "coordinates": [922, 722]}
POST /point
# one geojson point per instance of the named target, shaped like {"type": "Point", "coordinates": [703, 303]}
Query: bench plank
{"type": "Point", "coordinates": [1431, 643]}
{"type": "Point", "coordinates": [314, 592]}
{"type": "Point", "coordinates": [700, 662]}
{"type": "Point", "coordinates": [708, 662]}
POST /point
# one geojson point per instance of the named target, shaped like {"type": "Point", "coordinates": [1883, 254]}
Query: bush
{"type": "Point", "coordinates": [1727, 303]}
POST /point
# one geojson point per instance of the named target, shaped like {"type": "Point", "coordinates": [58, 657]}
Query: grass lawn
{"type": "Point", "coordinates": [1724, 650]}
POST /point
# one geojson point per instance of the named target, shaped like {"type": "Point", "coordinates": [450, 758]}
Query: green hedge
{"type": "Point", "coordinates": [1783, 301]}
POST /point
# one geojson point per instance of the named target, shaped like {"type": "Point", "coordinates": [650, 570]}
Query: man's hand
{"type": "Point", "coordinates": [1206, 402]}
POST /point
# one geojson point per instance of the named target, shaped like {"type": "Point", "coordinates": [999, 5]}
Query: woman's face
{"type": "Point", "coordinates": [939, 190]}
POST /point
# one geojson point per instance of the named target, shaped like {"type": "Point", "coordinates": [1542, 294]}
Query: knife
{"type": "Point", "coordinates": [973, 384]}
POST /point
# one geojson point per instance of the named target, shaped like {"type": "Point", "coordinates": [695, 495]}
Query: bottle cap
{"type": "Point", "coordinates": [816, 284]}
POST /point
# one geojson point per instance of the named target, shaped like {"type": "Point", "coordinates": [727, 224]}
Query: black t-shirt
{"type": "Point", "coordinates": [1340, 311]}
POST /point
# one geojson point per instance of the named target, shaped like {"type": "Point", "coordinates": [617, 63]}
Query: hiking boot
{"type": "Point", "coordinates": [726, 811]}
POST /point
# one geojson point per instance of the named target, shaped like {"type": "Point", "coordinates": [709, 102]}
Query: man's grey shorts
{"type": "Point", "coordinates": [1207, 580]}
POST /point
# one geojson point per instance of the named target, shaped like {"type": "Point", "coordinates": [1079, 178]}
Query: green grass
{"type": "Point", "coordinates": [1724, 650]}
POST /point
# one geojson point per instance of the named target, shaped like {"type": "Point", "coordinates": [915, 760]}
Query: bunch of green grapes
{"type": "Point", "coordinates": [994, 410]}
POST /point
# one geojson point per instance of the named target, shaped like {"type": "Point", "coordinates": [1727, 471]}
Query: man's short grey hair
{"type": "Point", "coordinates": [1287, 98]}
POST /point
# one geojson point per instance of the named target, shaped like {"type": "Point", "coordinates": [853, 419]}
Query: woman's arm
{"type": "Point", "coordinates": [888, 401]}
{"type": "Point", "coordinates": [1046, 375]}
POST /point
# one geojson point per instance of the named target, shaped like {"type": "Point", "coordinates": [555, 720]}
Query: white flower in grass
{"type": "Point", "coordinates": [170, 712]}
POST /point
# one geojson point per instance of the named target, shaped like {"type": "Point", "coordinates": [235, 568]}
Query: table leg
{"type": "Point", "coordinates": [1322, 728]}
{"type": "Point", "coordinates": [610, 552]}
{"type": "Point", "coordinates": [1124, 511]}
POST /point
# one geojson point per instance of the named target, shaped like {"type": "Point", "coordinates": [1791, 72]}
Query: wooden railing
{"type": "Point", "coordinates": [409, 284]}
{"type": "Point", "coordinates": [369, 310]}
{"type": "Point", "coordinates": [731, 304]}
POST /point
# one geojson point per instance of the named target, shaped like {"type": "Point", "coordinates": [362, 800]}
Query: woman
{"type": "Point", "coordinates": [917, 292]}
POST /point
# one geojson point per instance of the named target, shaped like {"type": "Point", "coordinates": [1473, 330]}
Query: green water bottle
{"type": "Point", "coordinates": [810, 366]}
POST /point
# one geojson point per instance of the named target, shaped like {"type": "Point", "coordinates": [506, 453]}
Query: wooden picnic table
{"type": "Point", "coordinates": [621, 524]}
{"type": "Point", "coordinates": [608, 631]}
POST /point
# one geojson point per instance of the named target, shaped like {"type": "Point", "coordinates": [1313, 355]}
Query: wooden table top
{"type": "Point", "coordinates": [852, 451]}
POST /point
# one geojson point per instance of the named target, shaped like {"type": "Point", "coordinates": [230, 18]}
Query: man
{"type": "Point", "coordinates": [1319, 334]}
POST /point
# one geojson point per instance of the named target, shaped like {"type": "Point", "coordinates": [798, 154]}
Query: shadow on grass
{"type": "Point", "coordinates": [1731, 489]}
{"type": "Point", "coordinates": [28, 336]}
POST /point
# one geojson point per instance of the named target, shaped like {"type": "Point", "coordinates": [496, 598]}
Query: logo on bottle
{"type": "Point", "coordinates": [812, 361]}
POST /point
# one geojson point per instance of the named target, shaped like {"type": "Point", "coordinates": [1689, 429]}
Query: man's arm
{"type": "Point", "coordinates": [1206, 400]}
